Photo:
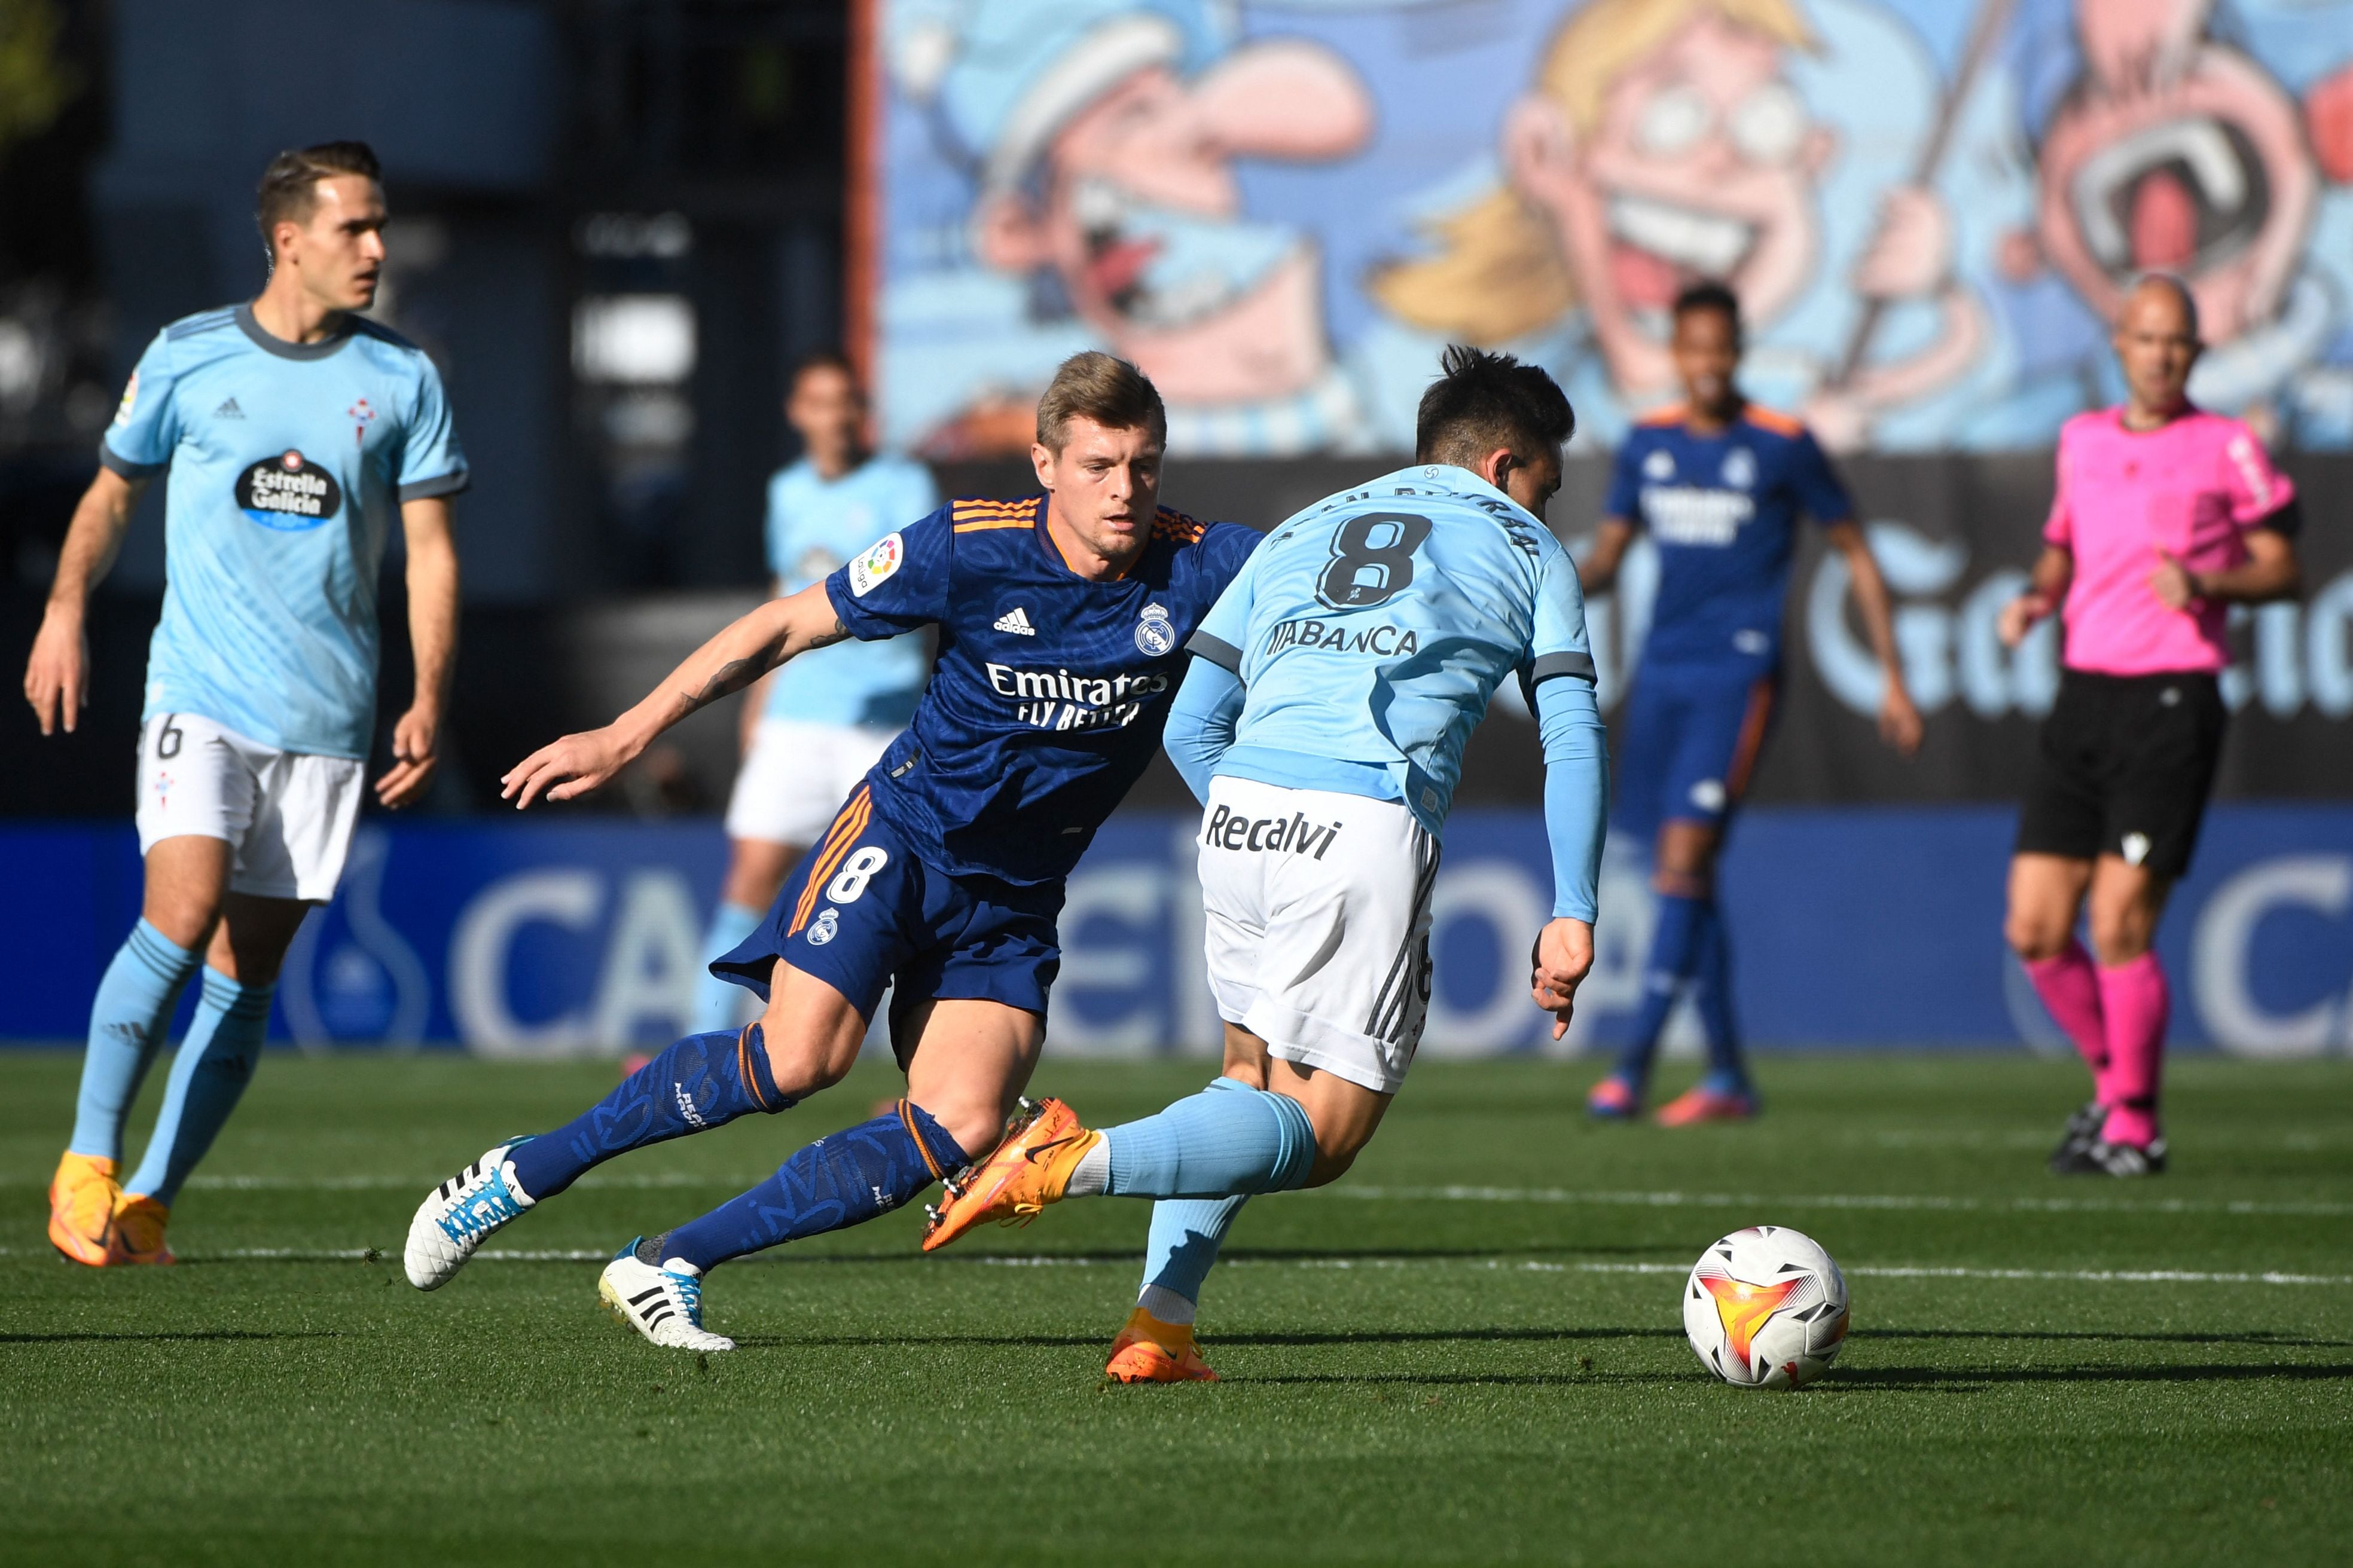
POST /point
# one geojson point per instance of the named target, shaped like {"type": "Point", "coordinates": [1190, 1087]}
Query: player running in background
{"type": "Point", "coordinates": [811, 730]}
{"type": "Point", "coordinates": [2164, 517]}
{"type": "Point", "coordinates": [1323, 727]}
{"type": "Point", "coordinates": [1718, 483]}
{"type": "Point", "coordinates": [1061, 623]}
{"type": "Point", "coordinates": [293, 432]}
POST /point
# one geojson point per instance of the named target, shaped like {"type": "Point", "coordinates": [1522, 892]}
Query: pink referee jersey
{"type": "Point", "coordinates": [2193, 487]}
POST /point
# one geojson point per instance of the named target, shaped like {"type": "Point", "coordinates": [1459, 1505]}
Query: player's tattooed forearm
{"type": "Point", "coordinates": [827, 639]}
{"type": "Point", "coordinates": [732, 676]}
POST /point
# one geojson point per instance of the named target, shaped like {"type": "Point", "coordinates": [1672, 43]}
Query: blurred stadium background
{"type": "Point", "coordinates": [618, 222]}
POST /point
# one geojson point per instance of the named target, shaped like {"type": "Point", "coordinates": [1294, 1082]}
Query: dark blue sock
{"type": "Point", "coordinates": [843, 1179]}
{"type": "Point", "coordinates": [1712, 994]}
{"type": "Point", "coordinates": [702, 1082]}
{"type": "Point", "coordinates": [1674, 942]}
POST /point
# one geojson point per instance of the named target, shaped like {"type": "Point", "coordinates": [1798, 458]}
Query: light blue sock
{"type": "Point", "coordinates": [1228, 1138]}
{"type": "Point", "coordinates": [1187, 1236]}
{"type": "Point", "coordinates": [208, 1077]}
{"type": "Point", "coordinates": [719, 1003]}
{"type": "Point", "coordinates": [128, 1019]}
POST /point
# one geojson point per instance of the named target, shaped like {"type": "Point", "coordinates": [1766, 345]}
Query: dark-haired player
{"type": "Point", "coordinates": [811, 730]}
{"type": "Point", "coordinates": [2164, 516]}
{"type": "Point", "coordinates": [1061, 624]}
{"type": "Point", "coordinates": [1718, 483]}
{"type": "Point", "coordinates": [295, 433]}
{"type": "Point", "coordinates": [1322, 727]}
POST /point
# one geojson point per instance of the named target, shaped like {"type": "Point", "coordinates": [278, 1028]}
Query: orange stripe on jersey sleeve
{"type": "Point", "coordinates": [974, 516]}
{"type": "Point", "coordinates": [1176, 525]}
{"type": "Point", "coordinates": [1773, 419]}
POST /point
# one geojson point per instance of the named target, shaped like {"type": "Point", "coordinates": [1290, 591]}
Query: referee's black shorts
{"type": "Point", "coordinates": [2123, 767]}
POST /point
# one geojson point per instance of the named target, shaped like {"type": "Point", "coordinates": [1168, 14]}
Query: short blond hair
{"type": "Point", "coordinates": [1499, 273]}
{"type": "Point", "coordinates": [1104, 388]}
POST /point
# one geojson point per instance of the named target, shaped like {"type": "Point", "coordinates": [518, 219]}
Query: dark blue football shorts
{"type": "Point", "coordinates": [862, 910]}
{"type": "Point", "coordinates": [1689, 744]}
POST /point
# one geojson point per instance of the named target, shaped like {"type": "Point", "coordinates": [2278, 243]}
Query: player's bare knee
{"type": "Point", "coordinates": [976, 1122]}
{"type": "Point", "coordinates": [805, 1057]}
{"type": "Point", "coordinates": [2120, 936]}
{"type": "Point", "coordinates": [2033, 935]}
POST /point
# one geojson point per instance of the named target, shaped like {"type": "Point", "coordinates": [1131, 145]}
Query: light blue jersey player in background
{"type": "Point", "coordinates": [1323, 722]}
{"type": "Point", "coordinates": [293, 432]}
{"type": "Point", "coordinates": [813, 728]}
{"type": "Point", "coordinates": [1719, 484]}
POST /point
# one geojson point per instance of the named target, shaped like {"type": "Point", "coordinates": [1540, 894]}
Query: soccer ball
{"type": "Point", "coordinates": [1766, 1308]}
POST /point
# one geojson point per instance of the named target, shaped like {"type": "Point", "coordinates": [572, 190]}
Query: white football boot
{"type": "Point", "coordinates": [663, 1301]}
{"type": "Point", "coordinates": [460, 1214]}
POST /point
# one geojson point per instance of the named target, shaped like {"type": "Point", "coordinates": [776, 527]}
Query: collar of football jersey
{"type": "Point", "coordinates": [270, 343]}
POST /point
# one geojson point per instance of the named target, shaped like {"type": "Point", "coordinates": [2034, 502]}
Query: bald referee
{"type": "Point", "coordinates": [2164, 516]}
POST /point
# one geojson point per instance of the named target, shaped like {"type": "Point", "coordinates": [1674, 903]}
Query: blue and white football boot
{"type": "Point", "coordinates": [662, 1300]}
{"type": "Point", "coordinates": [462, 1214]}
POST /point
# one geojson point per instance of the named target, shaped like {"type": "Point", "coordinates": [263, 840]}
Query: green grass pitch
{"type": "Point", "coordinates": [1468, 1351]}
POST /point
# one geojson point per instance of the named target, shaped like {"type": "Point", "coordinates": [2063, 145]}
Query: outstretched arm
{"type": "Point", "coordinates": [1899, 720]}
{"type": "Point", "coordinates": [1201, 722]}
{"type": "Point", "coordinates": [748, 648]}
{"type": "Point", "coordinates": [57, 677]}
{"type": "Point", "coordinates": [1576, 812]}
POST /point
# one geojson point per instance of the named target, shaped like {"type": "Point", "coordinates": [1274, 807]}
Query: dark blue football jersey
{"type": "Point", "coordinates": [1723, 511]}
{"type": "Point", "coordinates": [1049, 690]}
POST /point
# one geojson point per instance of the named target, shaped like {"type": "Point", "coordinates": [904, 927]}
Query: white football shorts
{"type": "Point", "coordinates": [795, 776]}
{"type": "Point", "coordinates": [288, 815]}
{"type": "Point", "coordinates": [1318, 925]}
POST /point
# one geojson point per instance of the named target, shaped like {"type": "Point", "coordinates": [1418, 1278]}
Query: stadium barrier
{"type": "Point", "coordinates": [1854, 927]}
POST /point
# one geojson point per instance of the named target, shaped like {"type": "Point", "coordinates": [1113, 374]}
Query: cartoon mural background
{"type": "Point", "coordinates": [1282, 208]}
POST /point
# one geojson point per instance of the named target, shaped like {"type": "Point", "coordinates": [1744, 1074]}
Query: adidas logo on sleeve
{"type": "Point", "coordinates": [228, 410]}
{"type": "Point", "coordinates": [1017, 621]}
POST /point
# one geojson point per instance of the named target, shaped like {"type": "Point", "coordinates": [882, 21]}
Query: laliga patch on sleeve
{"type": "Point", "coordinates": [130, 402]}
{"type": "Point", "coordinates": [889, 552]}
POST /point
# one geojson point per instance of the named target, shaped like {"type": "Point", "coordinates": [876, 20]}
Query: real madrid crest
{"type": "Point", "coordinates": [1155, 634]}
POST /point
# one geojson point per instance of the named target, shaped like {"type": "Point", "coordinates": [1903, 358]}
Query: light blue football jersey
{"type": "Point", "coordinates": [816, 526]}
{"type": "Point", "coordinates": [1371, 630]}
{"type": "Point", "coordinates": [287, 463]}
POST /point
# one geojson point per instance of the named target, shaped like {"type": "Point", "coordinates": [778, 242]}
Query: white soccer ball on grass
{"type": "Point", "coordinates": [1766, 1308]}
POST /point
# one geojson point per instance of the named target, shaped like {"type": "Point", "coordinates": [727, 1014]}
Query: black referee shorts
{"type": "Point", "coordinates": [2123, 768]}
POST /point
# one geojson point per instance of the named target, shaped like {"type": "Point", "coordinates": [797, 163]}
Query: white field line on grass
{"type": "Point", "coordinates": [1481, 1265]}
{"type": "Point", "coordinates": [1934, 1201]}
{"type": "Point", "coordinates": [1450, 1194]}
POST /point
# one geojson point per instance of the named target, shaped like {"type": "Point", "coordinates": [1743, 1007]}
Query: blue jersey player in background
{"type": "Point", "coordinates": [1718, 483]}
{"type": "Point", "coordinates": [294, 433]}
{"type": "Point", "coordinates": [1061, 622]}
{"type": "Point", "coordinates": [1323, 726]}
{"type": "Point", "coordinates": [812, 727]}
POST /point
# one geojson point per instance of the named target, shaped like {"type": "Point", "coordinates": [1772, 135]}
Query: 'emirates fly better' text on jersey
{"type": "Point", "coordinates": [1722, 511]}
{"type": "Point", "coordinates": [1371, 630]}
{"type": "Point", "coordinates": [1049, 690]}
{"type": "Point", "coordinates": [287, 463]}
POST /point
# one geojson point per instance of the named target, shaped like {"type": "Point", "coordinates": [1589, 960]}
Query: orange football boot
{"type": "Point", "coordinates": [1149, 1351]}
{"type": "Point", "coordinates": [139, 1222]}
{"type": "Point", "coordinates": [1700, 1103]}
{"type": "Point", "coordinates": [1030, 1170]}
{"type": "Point", "coordinates": [82, 1196]}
